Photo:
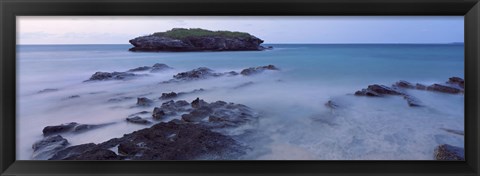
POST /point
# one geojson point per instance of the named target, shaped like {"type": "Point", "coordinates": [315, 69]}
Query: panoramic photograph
{"type": "Point", "coordinates": [240, 88]}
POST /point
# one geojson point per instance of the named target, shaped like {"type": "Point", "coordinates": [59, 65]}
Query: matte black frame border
{"type": "Point", "coordinates": [9, 9]}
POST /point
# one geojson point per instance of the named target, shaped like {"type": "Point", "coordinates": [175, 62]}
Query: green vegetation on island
{"type": "Point", "coordinates": [182, 33]}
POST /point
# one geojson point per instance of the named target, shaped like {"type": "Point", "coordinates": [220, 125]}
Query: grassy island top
{"type": "Point", "coordinates": [181, 33]}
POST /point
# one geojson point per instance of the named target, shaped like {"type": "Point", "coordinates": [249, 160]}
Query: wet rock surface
{"type": "Point", "coordinates": [48, 146]}
{"type": "Point", "coordinates": [158, 67]}
{"type": "Point", "coordinates": [449, 152]}
{"type": "Point", "coordinates": [163, 141]}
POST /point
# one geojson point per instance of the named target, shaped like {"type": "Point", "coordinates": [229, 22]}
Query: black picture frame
{"type": "Point", "coordinates": [9, 9]}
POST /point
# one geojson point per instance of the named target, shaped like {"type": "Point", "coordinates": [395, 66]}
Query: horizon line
{"type": "Point", "coordinates": [261, 44]}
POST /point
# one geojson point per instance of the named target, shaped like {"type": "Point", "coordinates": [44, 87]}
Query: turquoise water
{"type": "Point", "coordinates": [291, 101]}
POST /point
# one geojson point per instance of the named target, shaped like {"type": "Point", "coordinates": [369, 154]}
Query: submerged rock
{"type": "Point", "coordinates": [48, 146]}
{"type": "Point", "coordinates": [255, 70]}
{"type": "Point", "coordinates": [331, 104]}
{"type": "Point", "coordinates": [138, 120]}
{"type": "Point", "coordinates": [143, 101]}
{"type": "Point", "coordinates": [47, 90]}
{"type": "Point", "coordinates": [449, 152]}
{"type": "Point", "coordinates": [70, 127]}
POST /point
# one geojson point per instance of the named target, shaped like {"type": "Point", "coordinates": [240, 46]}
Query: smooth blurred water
{"type": "Point", "coordinates": [291, 101]}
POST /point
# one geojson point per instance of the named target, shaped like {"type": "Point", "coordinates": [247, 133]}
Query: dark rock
{"type": "Point", "coordinates": [195, 74]}
{"type": "Point", "coordinates": [142, 101]}
{"type": "Point", "coordinates": [100, 76]}
{"type": "Point", "coordinates": [456, 81]}
{"type": "Point", "coordinates": [420, 86]}
{"type": "Point", "coordinates": [138, 113]}
{"type": "Point", "coordinates": [70, 127]}
{"type": "Point", "coordinates": [144, 68]}
{"type": "Point", "coordinates": [86, 127]}
{"type": "Point", "coordinates": [331, 104]}
{"type": "Point", "coordinates": [47, 90]}
{"type": "Point", "coordinates": [404, 84]}
{"type": "Point", "coordinates": [214, 42]}
{"type": "Point", "coordinates": [158, 113]}
{"type": "Point", "coordinates": [160, 67]}
{"type": "Point", "coordinates": [166, 141]}
{"type": "Point", "coordinates": [138, 120]}
{"type": "Point", "coordinates": [72, 151]}
{"type": "Point", "coordinates": [181, 103]}
{"type": "Point", "coordinates": [197, 114]}
{"type": "Point", "coordinates": [449, 152]}
{"type": "Point", "coordinates": [198, 103]}
{"type": "Point", "coordinates": [166, 96]}
{"type": "Point", "coordinates": [49, 130]}
{"type": "Point", "coordinates": [255, 70]}
{"type": "Point", "coordinates": [48, 146]}
{"type": "Point", "coordinates": [232, 73]}
{"type": "Point", "coordinates": [443, 88]}
{"type": "Point", "coordinates": [412, 101]}
{"type": "Point", "coordinates": [378, 90]}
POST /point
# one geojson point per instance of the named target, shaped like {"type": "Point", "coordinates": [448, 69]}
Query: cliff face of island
{"type": "Point", "coordinates": [179, 39]}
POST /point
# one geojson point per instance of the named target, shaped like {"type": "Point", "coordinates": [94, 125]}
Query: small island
{"type": "Point", "coordinates": [196, 39]}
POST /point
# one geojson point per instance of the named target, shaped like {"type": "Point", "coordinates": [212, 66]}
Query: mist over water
{"type": "Point", "coordinates": [294, 121]}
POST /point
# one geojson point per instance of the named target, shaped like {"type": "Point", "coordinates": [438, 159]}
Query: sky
{"type": "Point", "coordinates": [271, 29]}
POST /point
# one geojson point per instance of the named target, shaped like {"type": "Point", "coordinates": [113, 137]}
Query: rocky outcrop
{"type": "Point", "coordinates": [170, 108]}
{"type": "Point", "coordinates": [443, 88]}
{"type": "Point", "coordinates": [208, 42]}
{"type": "Point", "coordinates": [163, 141]}
{"type": "Point", "coordinates": [47, 90]}
{"type": "Point", "coordinates": [449, 152]}
{"type": "Point", "coordinates": [102, 76]}
{"type": "Point", "coordinates": [376, 90]}
{"type": "Point", "coordinates": [48, 146]}
{"type": "Point", "coordinates": [204, 73]}
{"type": "Point", "coordinates": [255, 70]}
{"type": "Point", "coordinates": [155, 68]}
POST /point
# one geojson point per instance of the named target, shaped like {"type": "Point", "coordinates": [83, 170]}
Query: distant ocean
{"type": "Point", "coordinates": [291, 101]}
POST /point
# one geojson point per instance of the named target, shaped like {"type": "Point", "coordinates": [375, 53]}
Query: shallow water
{"type": "Point", "coordinates": [294, 122]}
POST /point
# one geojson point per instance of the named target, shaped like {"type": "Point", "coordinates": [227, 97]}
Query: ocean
{"type": "Point", "coordinates": [294, 122]}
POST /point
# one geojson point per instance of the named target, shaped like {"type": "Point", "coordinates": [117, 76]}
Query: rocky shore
{"type": "Point", "coordinates": [193, 129]}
